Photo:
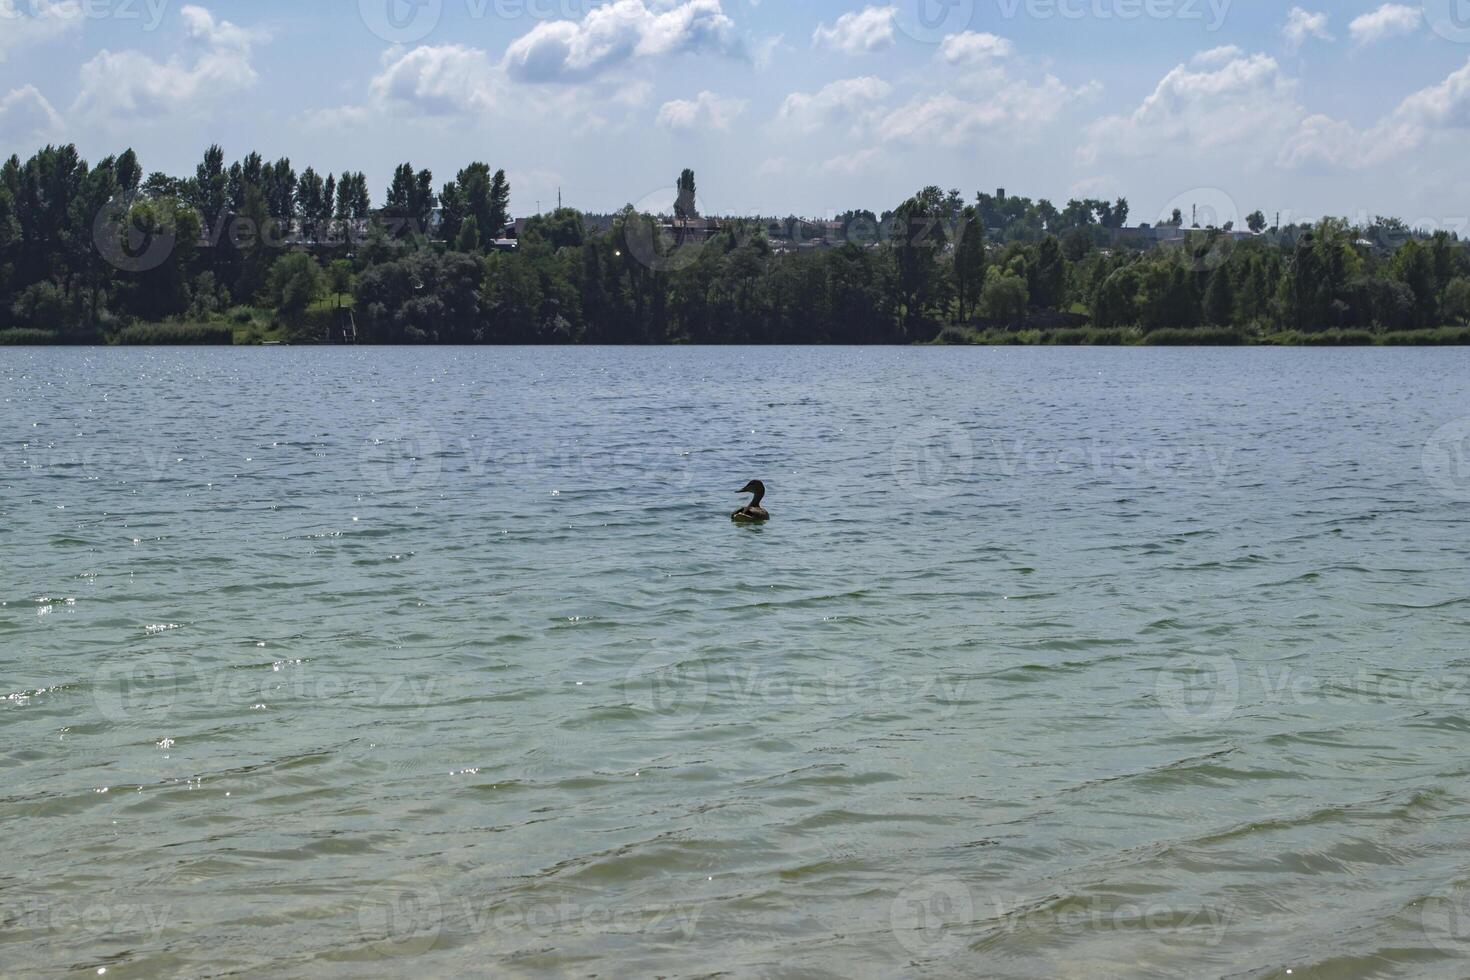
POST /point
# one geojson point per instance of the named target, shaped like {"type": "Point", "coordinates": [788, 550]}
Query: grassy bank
{"type": "Point", "coordinates": [247, 326]}
{"type": "Point", "coordinates": [1205, 337]}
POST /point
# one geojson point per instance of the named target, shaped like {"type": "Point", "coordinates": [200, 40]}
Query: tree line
{"type": "Point", "coordinates": [253, 250]}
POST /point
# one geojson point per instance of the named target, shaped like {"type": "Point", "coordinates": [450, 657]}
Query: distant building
{"type": "Point", "coordinates": [690, 229]}
{"type": "Point", "coordinates": [1159, 235]}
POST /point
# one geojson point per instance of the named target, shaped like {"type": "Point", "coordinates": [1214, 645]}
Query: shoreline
{"type": "Point", "coordinates": [1448, 336]}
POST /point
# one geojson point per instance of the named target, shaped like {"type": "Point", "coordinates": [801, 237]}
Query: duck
{"type": "Point", "coordinates": [753, 513]}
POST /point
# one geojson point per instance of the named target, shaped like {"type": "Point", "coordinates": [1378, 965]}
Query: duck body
{"type": "Point", "coordinates": [752, 513]}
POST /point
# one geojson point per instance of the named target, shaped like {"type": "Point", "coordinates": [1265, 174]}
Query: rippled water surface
{"type": "Point", "coordinates": [1051, 663]}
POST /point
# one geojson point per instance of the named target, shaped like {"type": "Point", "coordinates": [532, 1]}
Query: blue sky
{"type": "Point", "coordinates": [1353, 108]}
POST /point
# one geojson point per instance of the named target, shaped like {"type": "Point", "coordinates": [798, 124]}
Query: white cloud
{"type": "Point", "coordinates": [850, 164]}
{"type": "Point", "coordinates": [618, 32]}
{"type": "Point", "coordinates": [1442, 106]}
{"type": "Point", "coordinates": [774, 167]}
{"type": "Point", "coordinates": [447, 82]}
{"type": "Point", "coordinates": [858, 32]}
{"type": "Point", "coordinates": [1321, 140]}
{"type": "Point", "coordinates": [439, 80]}
{"type": "Point", "coordinates": [1102, 186]}
{"type": "Point", "coordinates": [987, 95]}
{"type": "Point", "coordinates": [1324, 141]}
{"type": "Point", "coordinates": [130, 84]}
{"type": "Point", "coordinates": [1216, 57]}
{"type": "Point", "coordinates": [1303, 24]}
{"type": "Point", "coordinates": [1231, 102]}
{"type": "Point", "coordinates": [1223, 98]}
{"type": "Point", "coordinates": [705, 111]}
{"type": "Point", "coordinates": [971, 48]}
{"type": "Point", "coordinates": [1013, 107]}
{"type": "Point", "coordinates": [26, 117]}
{"type": "Point", "coordinates": [848, 100]}
{"type": "Point", "coordinates": [25, 23]}
{"type": "Point", "coordinates": [1389, 20]}
{"type": "Point", "coordinates": [201, 26]}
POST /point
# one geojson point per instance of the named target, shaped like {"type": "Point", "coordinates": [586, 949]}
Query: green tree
{"type": "Point", "coordinates": [918, 237]}
{"type": "Point", "coordinates": [161, 288]}
{"type": "Point", "coordinates": [684, 196]}
{"type": "Point", "coordinates": [42, 306]}
{"type": "Point", "coordinates": [411, 199]}
{"type": "Point", "coordinates": [1413, 265]}
{"type": "Point", "coordinates": [294, 284]}
{"type": "Point", "coordinates": [454, 207]}
{"type": "Point", "coordinates": [339, 279]}
{"type": "Point", "coordinates": [499, 212]}
{"type": "Point", "coordinates": [1457, 299]}
{"type": "Point", "coordinates": [210, 192]}
{"type": "Point", "coordinates": [969, 261]}
{"type": "Point", "coordinates": [1005, 296]}
{"type": "Point", "coordinates": [352, 196]}
{"type": "Point", "coordinates": [1049, 274]}
{"type": "Point", "coordinates": [469, 236]}
{"type": "Point", "coordinates": [1076, 245]}
{"type": "Point", "coordinates": [311, 191]}
{"type": "Point", "coordinates": [278, 183]}
{"type": "Point", "coordinates": [1115, 302]}
{"type": "Point", "coordinates": [563, 228]}
{"type": "Point", "coordinates": [1219, 308]}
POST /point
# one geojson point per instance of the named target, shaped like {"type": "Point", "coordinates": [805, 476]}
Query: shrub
{"type": "Point", "coordinates": [1105, 338]}
{"type": "Point", "coordinates": [316, 325]}
{"type": "Point", "coordinates": [1441, 337]}
{"type": "Point", "coordinates": [1069, 337]}
{"type": "Point", "coordinates": [42, 306]}
{"type": "Point", "coordinates": [28, 337]}
{"type": "Point", "coordinates": [1196, 337]}
{"type": "Point", "coordinates": [1337, 338]}
{"type": "Point", "coordinates": [177, 334]}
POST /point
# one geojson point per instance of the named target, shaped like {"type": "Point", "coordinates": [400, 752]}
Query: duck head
{"type": "Point", "coordinates": [756, 487]}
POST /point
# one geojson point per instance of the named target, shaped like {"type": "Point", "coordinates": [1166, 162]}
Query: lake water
{"type": "Point", "coordinates": [1051, 663]}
